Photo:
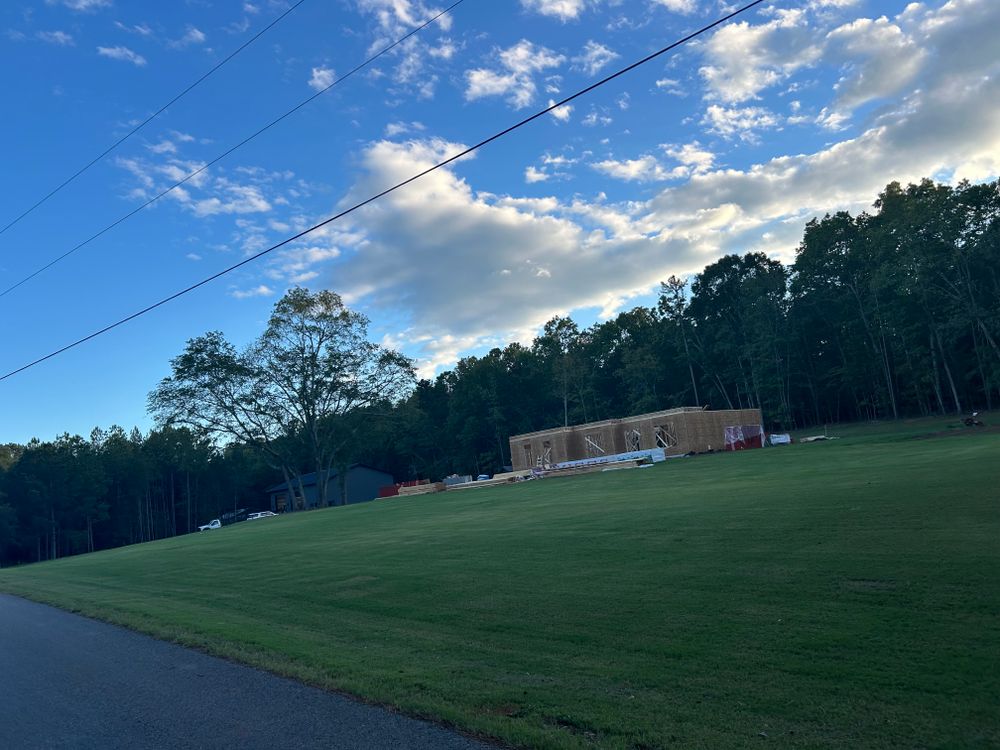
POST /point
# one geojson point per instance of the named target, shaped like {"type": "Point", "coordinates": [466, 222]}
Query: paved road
{"type": "Point", "coordinates": [70, 682]}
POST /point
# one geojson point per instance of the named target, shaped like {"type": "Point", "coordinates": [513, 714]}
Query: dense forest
{"type": "Point", "coordinates": [882, 315]}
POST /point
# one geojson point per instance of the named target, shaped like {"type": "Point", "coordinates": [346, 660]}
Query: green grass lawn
{"type": "Point", "coordinates": [842, 594]}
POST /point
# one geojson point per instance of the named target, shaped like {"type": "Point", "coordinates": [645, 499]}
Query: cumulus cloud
{"type": "Point", "coordinates": [879, 60]}
{"type": "Point", "coordinates": [122, 53]}
{"type": "Point", "coordinates": [743, 59]}
{"type": "Point", "coordinates": [562, 113]}
{"type": "Point", "coordinates": [564, 10]}
{"type": "Point", "coordinates": [678, 6]}
{"type": "Point", "coordinates": [532, 175]}
{"type": "Point", "coordinates": [393, 20]}
{"type": "Point", "coordinates": [671, 86]}
{"type": "Point", "coordinates": [192, 36]}
{"type": "Point", "coordinates": [515, 79]}
{"type": "Point", "coordinates": [695, 157]}
{"type": "Point", "coordinates": [321, 78]}
{"type": "Point", "coordinates": [234, 199]}
{"type": "Point", "coordinates": [469, 266]}
{"type": "Point", "coordinates": [644, 169]}
{"type": "Point", "coordinates": [594, 57]}
{"type": "Point", "coordinates": [394, 129]}
{"type": "Point", "coordinates": [261, 290]}
{"type": "Point", "coordinates": [739, 122]}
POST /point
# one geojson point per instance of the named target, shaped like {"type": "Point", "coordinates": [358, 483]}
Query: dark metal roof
{"type": "Point", "coordinates": [309, 480]}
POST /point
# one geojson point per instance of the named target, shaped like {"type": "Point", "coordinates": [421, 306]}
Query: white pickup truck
{"type": "Point", "coordinates": [214, 524]}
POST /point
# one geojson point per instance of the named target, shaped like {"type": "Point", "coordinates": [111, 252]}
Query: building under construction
{"type": "Point", "coordinates": [677, 431]}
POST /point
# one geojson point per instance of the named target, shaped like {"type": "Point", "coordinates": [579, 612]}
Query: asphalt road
{"type": "Point", "coordinates": [70, 682]}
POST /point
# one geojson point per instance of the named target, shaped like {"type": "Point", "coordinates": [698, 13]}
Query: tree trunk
{"type": "Point", "coordinates": [947, 372]}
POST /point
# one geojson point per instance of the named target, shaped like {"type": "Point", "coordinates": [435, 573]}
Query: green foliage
{"type": "Point", "coordinates": [288, 392]}
{"type": "Point", "coordinates": [73, 495]}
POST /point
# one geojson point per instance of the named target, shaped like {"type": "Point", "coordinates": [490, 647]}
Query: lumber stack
{"type": "Point", "coordinates": [422, 489]}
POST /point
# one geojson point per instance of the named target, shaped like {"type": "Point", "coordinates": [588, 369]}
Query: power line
{"type": "Point", "coordinates": [397, 186]}
{"type": "Point", "coordinates": [152, 117]}
{"type": "Point", "coordinates": [224, 154]}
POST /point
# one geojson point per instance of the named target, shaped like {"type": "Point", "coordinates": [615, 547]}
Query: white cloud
{"type": "Point", "coordinates": [396, 18]}
{"type": "Point", "coordinates": [562, 113]}
{"type": "Point", "coordinates": [516, 80]}
{"type": "Point", "coordinates": [739, 122]}
{"type": "Point", "coordinates": [559, 160]}
{"type": "Point", "coordinates": [141, 29]}
{"type": "Point", "coordinates": [258, 291]}
{"type": "Point", "coordinates": [644, 169]}
{"type": "Point", "coordinates": [122, 53]}
{"type": "Point", "coordinates": [321, 78]}
{"type": "Point", "coordinates": [596, 117]}
{"type": "Point", "coordinates": [532, 175]}
{"type": "Point", "coordinates": [880, 58]}
{"type": "Point", "coordinates": [594, 57]}
{"type": "Point", "coordinates": [394, 129]}
{"type": "Point", "coordinates": [191, 37]}
{"type": "Point", "coordinates": [678, 6]}
{"type": "Point", "coordinates": [83, 5]}
{"type": "Point", "coordinates": [744, 59]}
{"type": "Point", "coordinates": [235, 199]}
{"type": "Point", "coordinates": [671, 86]}
{"type": "Point", "coordinates": [691, 155]}
{"type": "Point", "coordinates": [467, 267]}
{"type": "Point", "coordinates": [60, 38]}
{"type": "Point", "coordinates": [163, 147]}
{"type": "Point", "coordinates": [564, 10]}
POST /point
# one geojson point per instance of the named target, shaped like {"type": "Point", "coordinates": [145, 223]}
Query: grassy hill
{"type": "Point", "coordinates": [842, 594]}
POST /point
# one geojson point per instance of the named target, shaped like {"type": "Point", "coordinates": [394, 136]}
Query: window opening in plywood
{"type": "Point", "coordinates": [595, 445]}
{"type": "Point", "coordinates": [666, 437]}
{"type": "Point", "coordinates": [633, 440]}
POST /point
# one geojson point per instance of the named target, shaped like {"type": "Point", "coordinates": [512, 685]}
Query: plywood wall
{"type": "Point", "coordinates": [685, 430]}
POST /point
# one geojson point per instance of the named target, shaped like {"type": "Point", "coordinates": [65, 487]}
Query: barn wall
{"type": "Point", "coordinates": [686, 430]}
{"type": "Point", "coordinates": [705, 431]}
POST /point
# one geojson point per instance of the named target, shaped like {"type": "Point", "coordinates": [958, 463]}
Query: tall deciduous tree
{"type": "Point", "coordinates": [287, 392]}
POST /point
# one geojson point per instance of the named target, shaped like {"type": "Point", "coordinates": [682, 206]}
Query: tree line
{"type": "Point", "coordinates": [882, 315]}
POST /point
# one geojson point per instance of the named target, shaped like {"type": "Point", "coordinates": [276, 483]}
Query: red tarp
{"type": "Point", "coordinates": [745, 436]}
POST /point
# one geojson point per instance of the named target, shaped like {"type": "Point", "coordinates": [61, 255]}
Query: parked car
{"type": "Point", "coordinates": [482, 477]}
{"type": "Point", "coordinates": [262, 514]}
{"type": "Point", "coordinates": [214, 524]}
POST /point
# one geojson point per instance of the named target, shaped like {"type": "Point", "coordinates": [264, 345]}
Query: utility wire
{"type": "Point", "coordinates": [153, 116]}
{"type": "Point", "coordinates": [377, 196]}
{"type": "Point", "coordinates": [224, 154]}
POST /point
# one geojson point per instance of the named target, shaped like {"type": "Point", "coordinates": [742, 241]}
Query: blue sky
{"type": "Point", "coordinates": [730, 144]}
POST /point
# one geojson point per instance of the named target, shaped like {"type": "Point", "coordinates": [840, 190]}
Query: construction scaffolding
{"type": "Point", "coordinates": [688, 429]}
